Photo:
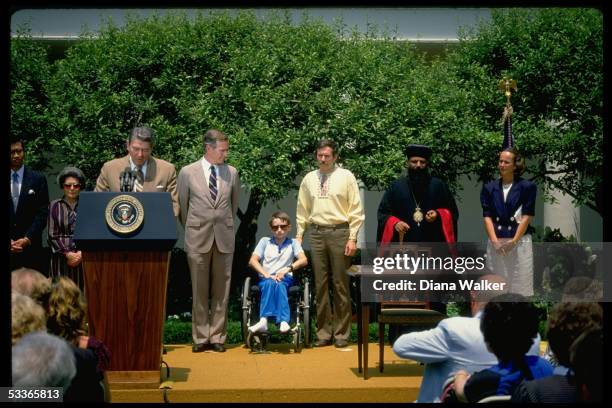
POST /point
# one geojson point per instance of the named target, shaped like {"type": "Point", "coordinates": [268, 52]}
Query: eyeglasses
{"type": "Point", "coordinates": [283, 227]}
{"type": "Point", "coordinates": [71, 186]}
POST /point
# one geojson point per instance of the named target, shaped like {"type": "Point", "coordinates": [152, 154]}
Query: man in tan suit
{"type": "Point", "coordinates": [208, 196]}
{"type": "Point", "coordinates": [153, 175]}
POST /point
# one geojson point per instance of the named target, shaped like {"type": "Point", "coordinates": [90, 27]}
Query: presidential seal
{"type": "Point", "coordinates": [124, 214]}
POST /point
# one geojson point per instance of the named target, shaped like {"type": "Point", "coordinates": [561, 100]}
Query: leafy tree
{"type": "Point", "coordinates": [276, 87]}
{"type": "Point", "coordinates": [29, 71]}
{"type": "Point", "coordinates": [556, 57]}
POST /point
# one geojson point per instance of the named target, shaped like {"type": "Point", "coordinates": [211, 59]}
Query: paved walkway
{"type": "Point", "coordinates": [324, 374]}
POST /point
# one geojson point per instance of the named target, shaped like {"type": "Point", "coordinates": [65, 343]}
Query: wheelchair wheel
{"type": "Point", "coordinates": [297, 340]}
{"type": "Point", "coordinates": [306, 313]}
{"type": "Point", "coordinates": [246, 309]}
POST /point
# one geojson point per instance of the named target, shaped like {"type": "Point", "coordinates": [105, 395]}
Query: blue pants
{"type": "Point", "coordinates": [274, 300]}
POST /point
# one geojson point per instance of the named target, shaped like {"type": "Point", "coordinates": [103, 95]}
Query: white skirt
{"type": "Point", "coordinates": [516, 266]}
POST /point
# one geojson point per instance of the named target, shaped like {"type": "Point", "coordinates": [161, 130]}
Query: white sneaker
{"type": "Point", "coordinates": [262, 325]}
{"type": "Point", "coordinates": [284, 327]}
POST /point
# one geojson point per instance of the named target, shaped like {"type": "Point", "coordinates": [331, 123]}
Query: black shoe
{"type": "Point", "coordinates": [322, 343]}
{"type": "Point", "coordinates": [341, 343]}
{"type": "Point", "coordinates": [198, 348]}
{"type": "Point", "coordinates": [218, 347]}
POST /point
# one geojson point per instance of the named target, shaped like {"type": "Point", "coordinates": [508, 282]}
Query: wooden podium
{"type": "Point", "coordinates": [126, 275]}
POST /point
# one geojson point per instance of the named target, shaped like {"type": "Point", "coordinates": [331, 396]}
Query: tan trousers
{"type": "Point", "coordinates": [328, 262]}
{"type": "Point", "coordinates": [211, 274]}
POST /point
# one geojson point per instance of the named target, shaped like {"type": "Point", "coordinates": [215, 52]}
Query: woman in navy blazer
{"type": "Point", "coordinates": [508, 205]}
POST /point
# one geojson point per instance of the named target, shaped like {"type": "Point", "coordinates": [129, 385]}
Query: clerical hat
{"type": "Point", "coordinates": [418, 150]}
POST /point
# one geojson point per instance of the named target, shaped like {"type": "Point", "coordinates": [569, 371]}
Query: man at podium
{"type": "Point", "coordinates": [148, 173]}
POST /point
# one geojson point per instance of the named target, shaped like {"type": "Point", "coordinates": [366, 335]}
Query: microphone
{"type": "Point", "coordinates": [126, 180]}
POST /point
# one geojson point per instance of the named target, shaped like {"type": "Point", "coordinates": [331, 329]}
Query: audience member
{"type": "Point", "coordinates": [566, 322]}
{"type": "Point", "coordinates": [26, 316]}
{"type": "Point", "coordinates": [67, 313]}
{"type": "Point", "coordinates": [509, 324]}
{"type": "Point", "coordinates": [42, 360]}
{"type": "Point", "coordinates": [31, 283]}
{"type": "Point", "coordinates": [586, 360]}
{"type": "Point", "coordinates": [455, 343]}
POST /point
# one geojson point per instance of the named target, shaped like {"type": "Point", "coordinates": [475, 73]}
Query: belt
{"type": "Point", "coordinates": [331, 227]}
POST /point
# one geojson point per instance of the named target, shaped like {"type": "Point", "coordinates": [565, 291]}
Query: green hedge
{"type": "Point", "coordinates": [179, 332]}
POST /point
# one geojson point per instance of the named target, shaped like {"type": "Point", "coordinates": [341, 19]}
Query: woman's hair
{"type": "Point", "coordinates": [26, 316]}
{"type": "Point", "coordinates": [509, 323]}
{"type": "Point", "coordinates": [67, 310]}
{"type": "Point", "coordinates": [566, 322]}
{"type": "Point", "coordinates": [70, 171]}
{"type": "Point", "coordinates": [281, 215]}
{"type": "Point", "coordinates": [519, 162]}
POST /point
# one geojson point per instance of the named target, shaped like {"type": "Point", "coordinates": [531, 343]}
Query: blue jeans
{"type": "Point", "coordinates": [274, 300]}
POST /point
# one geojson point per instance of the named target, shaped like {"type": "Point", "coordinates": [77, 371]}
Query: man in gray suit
{"type": "Point", "coordinates": [208, 196]}
{"type": "Point", "coordinates": [153, 174]}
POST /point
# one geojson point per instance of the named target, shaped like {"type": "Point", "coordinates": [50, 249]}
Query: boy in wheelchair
{"type": "Point", "coordinates": [274, 260]}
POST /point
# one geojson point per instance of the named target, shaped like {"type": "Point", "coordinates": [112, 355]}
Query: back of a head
{"type": "Point", "coordinates": [586, 361]}
{"type": "Point", "coordinates": [509, 323]}
{"type": "Point", "coordinates": [582, 289]}
{"type": "Point", "coordinates": [31, 283]}
{"type": "Point", "coordinates": [26, 316]}
{"type": "Point", "coordinates": [566, 322]}
{"type": "Point", "coordinates": [42, 360]}
{"type": "Point", "coordinates": [67, 310]}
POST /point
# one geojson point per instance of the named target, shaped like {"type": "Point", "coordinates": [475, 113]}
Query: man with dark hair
{"type": "Point", "coordinates": [152, 174]}
{"type": "Point", "coordinates": [509, 324]}
{"type": "Point", "coordinates": [208, 195]}
{"type": "Point", "coordinates": [455, 343]}
{"type": "Point", "coordinates": [329, 205]}
{"type": "Point", "coordinates": [28, 203]}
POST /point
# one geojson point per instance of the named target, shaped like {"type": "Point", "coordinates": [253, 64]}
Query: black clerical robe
{"type": "Point", "coordinates": [399, 201]}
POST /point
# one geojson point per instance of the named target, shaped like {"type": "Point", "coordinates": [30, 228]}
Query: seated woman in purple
{"type": "Point", "coordinates": [274, 260]}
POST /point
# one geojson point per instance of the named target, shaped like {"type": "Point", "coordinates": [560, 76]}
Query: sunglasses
{"type": "Point", "coordinates": [75, 186]}
{"type": "Point", "coordinates": [283, 227]}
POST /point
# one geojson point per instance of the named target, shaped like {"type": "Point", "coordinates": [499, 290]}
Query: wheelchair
{"type": "Point", "coordinates": [299, 306]}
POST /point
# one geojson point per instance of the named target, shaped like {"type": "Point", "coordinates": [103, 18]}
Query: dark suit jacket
{"type": "Point", "coordinates": [30, 219]}
{"type": "Point", "coordinates": [522, 194]}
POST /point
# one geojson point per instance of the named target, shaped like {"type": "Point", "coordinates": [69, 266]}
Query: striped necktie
{"type": "Point", "coordinates": [212, 183]}
{"type": "Point", "coordinates": [139, 182]}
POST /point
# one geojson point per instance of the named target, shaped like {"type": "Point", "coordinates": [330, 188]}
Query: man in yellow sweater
{"type": "Point", "coordinates": [330, 206]}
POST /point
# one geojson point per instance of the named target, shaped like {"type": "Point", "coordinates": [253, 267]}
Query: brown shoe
{"type": "Point", "coordinates": [322, 343]}
{"type": "Point", "coordinates": [198, 348]}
